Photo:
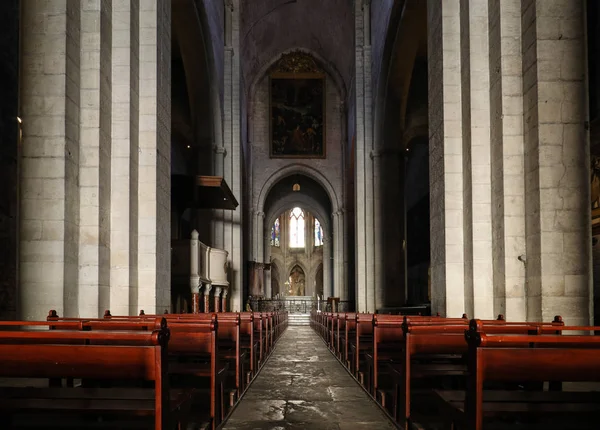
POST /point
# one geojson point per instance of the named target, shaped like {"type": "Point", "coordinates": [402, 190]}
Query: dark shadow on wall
{"type": "Point", "coordinates": [9, 155]}
{"type": "Point", "coordinates": [593, 46]}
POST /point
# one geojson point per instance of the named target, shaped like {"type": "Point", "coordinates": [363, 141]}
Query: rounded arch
{"type": "Point", "coordinates": [327, 66]}
{"type": "Point", "coordinates": [295, 169]}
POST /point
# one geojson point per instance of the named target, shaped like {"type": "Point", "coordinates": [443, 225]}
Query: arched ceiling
{"type": "Point", "coordinates": [270, 27]}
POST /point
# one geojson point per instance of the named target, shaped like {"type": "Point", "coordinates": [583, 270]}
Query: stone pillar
{"type": "Point", "coordinates": [224, 299]}
{"type": "Point", "coordinates": [154, 174]}
{"type": "Point", "coordinates": [327, 287]}
{"type": "Point", "coordinates": [122, 295]}
{"type": "Point", "coordinates": [446, 158]}
{"type": "Point", "coordinates": [217, 297]}
{"type": "Point", "coordinates": [232, 144]}
{"type": "Point", "coordinates": [267, 284]}
{"type": "Point", "coordinates": [207, 288]}
{"type": "Point", "coordinates": [476, 162]}
{"type": "Point", "coordinates": [194, 275]}
{"type": "Point", "coordinates": [365, 256]}
{"type": "Point", "coordinates": [263, 237]}
{"type": "Point", "coordinates": [507, 164]}
{"type": "Point", "coordinates": [49, 212]}
{"type": "Point", "coordinates": [95, 161]}
{"type": "Point", "coordinates": [338, 255]}
{"type": "Point", "coordinates": [217, 220]}
{"type": "Point", "coordinates": [557, 184]}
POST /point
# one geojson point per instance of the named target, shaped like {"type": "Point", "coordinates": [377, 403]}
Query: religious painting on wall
{"type": "Point", "coordinates": [297, 115]}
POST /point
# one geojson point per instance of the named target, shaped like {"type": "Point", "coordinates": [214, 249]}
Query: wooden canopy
{"type": "Point", "coordinates": [202, 192]}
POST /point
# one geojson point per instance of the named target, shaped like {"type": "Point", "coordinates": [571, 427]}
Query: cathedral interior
{"type": "Point", "coordinates": [386, 153]}
{"type": "Point", "coordinates": [401, 182]}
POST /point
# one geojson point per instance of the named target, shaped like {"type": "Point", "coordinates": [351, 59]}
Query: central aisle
{"type": "Point", "coordinates": [303, 386]}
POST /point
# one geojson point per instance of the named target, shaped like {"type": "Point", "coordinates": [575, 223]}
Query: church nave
{"type": "Point", "coordinates": [303, 386]}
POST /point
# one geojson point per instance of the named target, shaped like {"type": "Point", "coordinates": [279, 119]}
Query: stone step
{"type": "Point", "coordinates": [299, 319]}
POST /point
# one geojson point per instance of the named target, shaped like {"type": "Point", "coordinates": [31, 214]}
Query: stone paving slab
{"type": "Point", "coordinates": [302, 386]}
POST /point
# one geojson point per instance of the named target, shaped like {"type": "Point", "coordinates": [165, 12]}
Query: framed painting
{"type": "Point", "coordinates": [297, 115]}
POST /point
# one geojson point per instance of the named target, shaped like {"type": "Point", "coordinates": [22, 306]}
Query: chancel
{"type": "Point", "coordinates": [240, 214]}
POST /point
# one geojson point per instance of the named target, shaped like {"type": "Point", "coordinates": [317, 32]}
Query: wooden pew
{"type": "Point", "coordinates": [349, 334]}
{"type": "Point", "coordinates": [250, 345]}
{"type": "Point", "coordinates": [109, 355]}
{"type": "Point", "coordinates": [441, 350]}
{"type": "Point", "coordinates": [361, 345]}
{"type": "Point", "coordinates": [521, 358]}
{"type": "Point", "coordinates": [194, 355]}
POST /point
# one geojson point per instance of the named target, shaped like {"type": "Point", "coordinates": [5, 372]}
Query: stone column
{"type": "Point", "coordinates": [154, 174]}
{"type": "Point", "coordinates": [263, 237]}
{"type": "Point", "coordinates": [365, 256]}
{"type": "Point", "coordinates": [476, 162]}
{"type": "Point", "coordinates": [49, 212]}
{"type": "Point", "coordinates": [194, 276]}
{"type": "Point", "coordinates": [507, 164]}
{"type": "Point", "coordinates": [557, 166]}
{"type": "Point", "coordinates": [267, 284]}
{"type": "Point", "coordinates": [217, 297]}
{"type": "Point", "coordinates": [231, 142]}
{"type": "Point", "coordinates": [338, 255]}
{"type": "Point", "coordinates": [327, 287]}
{"type": "Point", "coordinates": [124, 161]}
{"type": "Point", "coordinates": [224, 299]}
{"type": "Point", "coordinates": [207, 288]}
{"type": "Point", "coordinates": [446, 158]}
{"type": "Point", "coordinates": [95, 160]}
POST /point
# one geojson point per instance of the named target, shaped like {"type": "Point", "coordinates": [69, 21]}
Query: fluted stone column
{"type": "Point", "coordinates": [95, 200]}
{"type": "Point", "coordinates": [507, 125]}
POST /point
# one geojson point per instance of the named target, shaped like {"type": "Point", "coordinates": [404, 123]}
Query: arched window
{"type": "Point", "coordinates": [296, 228]}
{"type": "Point", "coordinates": [275, 233]}
{"type": "Point", "coordinates": [318, 233]}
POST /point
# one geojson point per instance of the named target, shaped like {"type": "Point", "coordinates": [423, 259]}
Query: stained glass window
{"type": "Point", "coordinates": [275, 233]}
{"type": "Point", "coordinates": [318, 233]}
{"type": "Point", "coordinates": [296, 228]}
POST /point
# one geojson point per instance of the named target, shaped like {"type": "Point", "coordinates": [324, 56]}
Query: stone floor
{"type": "Point", "coordinates": [302, 386]}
